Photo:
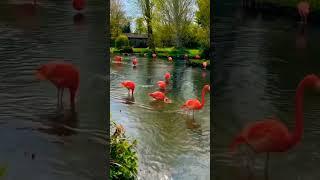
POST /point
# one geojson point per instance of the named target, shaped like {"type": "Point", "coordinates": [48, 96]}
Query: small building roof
{"type": "Point", "coordinates": [136, 36]}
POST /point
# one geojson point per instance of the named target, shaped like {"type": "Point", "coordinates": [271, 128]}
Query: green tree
{"type": "Point", "coordinates": [178, 14]}
{"type": "Point", "coordinates": [117, 18]}
{"type": "Point", "coordinates": [203, 14]}
{"type": "Point", "coordinates": [146, 8]}
{"type": "Point", "coordinates": [127, 28]}
{"type": "Point", "coordinates": [140, 26]}
{"type": "Point", "coordinates": [203, 19]}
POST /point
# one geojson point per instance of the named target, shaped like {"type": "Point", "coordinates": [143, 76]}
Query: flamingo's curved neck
{"type": "Point", "coordinates": [203, 93]}
{"type": "Point", "coordinates": [298, 129]}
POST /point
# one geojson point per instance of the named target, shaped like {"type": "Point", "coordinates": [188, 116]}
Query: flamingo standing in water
{"type": "Point", "coordinates": [62, 75]}
{"type": "Point", "coordinates": [118, 59]}
{"type": "Point", "coordinates": [154, 55]}
{"type": "Point", "coordinates": [162, 85]}
{"type": "Point", "coordinates": [271, 135]}
{"type": "Point", "coordinates": [167, 77]}
{"type": "Point", "coordinates": [134, 61]}
{"type": "Point", "coordinates": [78, 4]}
{"type": "Point", "coordinates": [195, 104]}
{"type": "Point", "coordinates": [130, 85]}
{"type": "Point", "coordinates": [304, 10]}
{"type": "Point", "coordinates": [160, 96]}
{"type": "Point", "coordinates": [204, 64]}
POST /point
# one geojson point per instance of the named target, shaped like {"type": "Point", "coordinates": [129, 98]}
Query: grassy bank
{"type": "Point", "coordinates": [163, 52]}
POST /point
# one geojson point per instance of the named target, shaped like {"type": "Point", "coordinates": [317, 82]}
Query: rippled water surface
{"type": "Point", "coordinates": [63, 145]}
{"type": "Point", "coordinates": [170, 144]}
{"type": "Point", "coordinates": [260, 60]}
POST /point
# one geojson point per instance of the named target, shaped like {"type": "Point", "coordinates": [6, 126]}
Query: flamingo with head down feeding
{"type": "Point", "coordinates": [118, 59]}
{"type": "Point", "coordinates": [162, 85]}
{"type": "Point", "coordinates": [160, 96]}
{"type": "Point", "coordinates": [62, 75]}
{"type": "Point", "coordinates": [130, 85]}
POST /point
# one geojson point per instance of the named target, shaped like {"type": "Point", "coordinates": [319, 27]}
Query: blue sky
{"type": "Point", "coordinates": [131, 9]}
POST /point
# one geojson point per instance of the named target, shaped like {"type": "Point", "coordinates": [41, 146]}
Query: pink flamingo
{"type": "Point", "coordinates": [204, 64]}
{"type": "Point", "coordinates": [271, 135]}
{"type": "Point", "coordinates": [160, 96]}
{"type": "Point", "coordinates": [195, 104]}
{"type": "Point", "coordinates": [154, 55]}
{"type": "Point", "coordinates": [167, 76]}
{"type": "Point", "coordinates": [134, 61]}
{"type": "Point", "coordinates": [118, 59]}
{"type": "Point", "coordinates": [162, 85]}
{"type": "Point", "coordinates": [62, 75]}
{"type": "Point", "coordinates": [304, 10]}
{"type": "Point", "coordinates": [78, 4]}
{"type": "Point", "coordinates": [130, 85]}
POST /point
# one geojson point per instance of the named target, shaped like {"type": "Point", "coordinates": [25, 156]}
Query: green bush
{"type": "Point", "coordinates": [121, 41]}
{"type": "Point", "coordinates": [124, 160]}
{"type": "Point", "coordinates": [126, 49]}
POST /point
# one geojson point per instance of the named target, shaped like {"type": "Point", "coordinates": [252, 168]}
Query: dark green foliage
{"type": "Point", "coordinates": [126, 49]}
{"type": "Point", "coordinates": [198, 63]}
{"type": "Point", "coordinates": [127, 28]}
{"type": "Point", "coordinates": [124, 160]}
{"type": "Point", "coordinates": [121, 41]}
{"type": "Point", "coordinates": [205, 53]}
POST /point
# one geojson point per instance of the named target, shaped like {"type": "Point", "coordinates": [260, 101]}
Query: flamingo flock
{"type": "Point", "coordinates": [161, 94]}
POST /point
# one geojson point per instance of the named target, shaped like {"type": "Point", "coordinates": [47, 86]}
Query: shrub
{"type": "Point", "coordinates": [121, 41]}
{"type": "Point", "coordinates": [124, 160]}
{"type": "Point", "coordinates": [126, 49]}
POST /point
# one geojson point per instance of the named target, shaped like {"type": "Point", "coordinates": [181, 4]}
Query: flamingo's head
{"type": "Point", "coordinates": [43, 71]}
{"type": "Point", "coordinates": [123, 84]}
{"type": "Point", "coordinates": [206, 88]}
{"type": "Point", "coordinates": [167, 100]}
{"type": "Point", "coordinates": [311, 81]}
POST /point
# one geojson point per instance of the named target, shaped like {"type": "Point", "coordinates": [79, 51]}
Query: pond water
{"type": "Point", "coordinates": [37, 141]}
{"type": "Point", "coordinates": [260, 59]}
{"type": "Point", "coordinates": [170, 144]}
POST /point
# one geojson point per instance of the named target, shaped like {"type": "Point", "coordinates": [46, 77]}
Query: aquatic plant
{"type": "Point", "coordinates": [123, 157]}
